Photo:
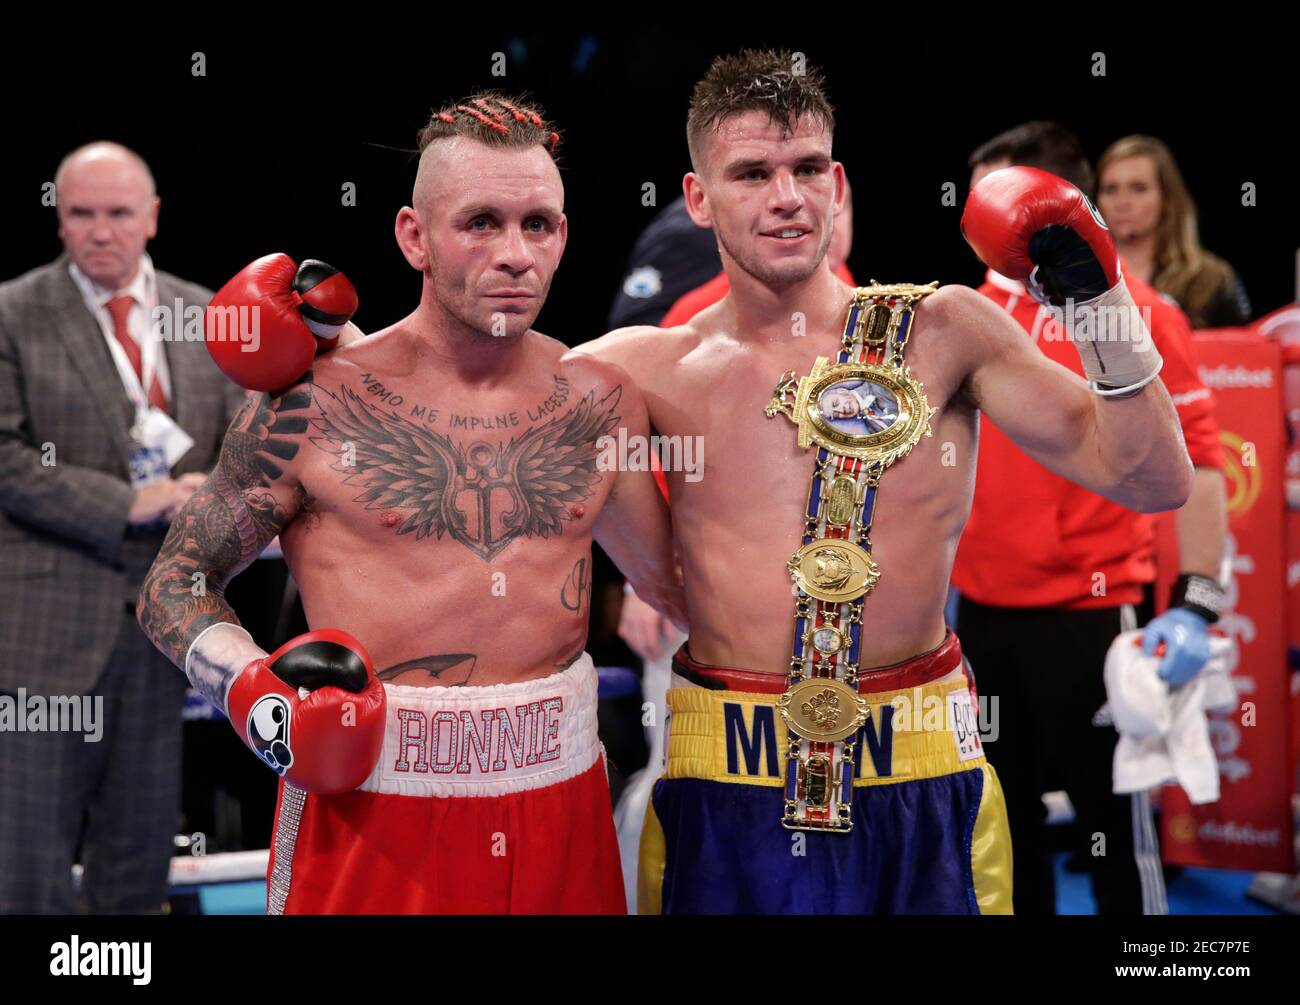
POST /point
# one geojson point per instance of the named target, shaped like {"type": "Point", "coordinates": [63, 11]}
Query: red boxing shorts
{"type": "Point", "coordinates": [485, 800]}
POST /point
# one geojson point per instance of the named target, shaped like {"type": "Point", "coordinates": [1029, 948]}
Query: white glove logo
{"type": "Point", "coordinates": [268, 732]}
{"type": "Point", "coordinates": [1096, 214]}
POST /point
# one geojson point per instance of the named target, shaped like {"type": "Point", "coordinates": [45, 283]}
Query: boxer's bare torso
{"type": "Point", "coordinates": [483, 581]}
{"type": "Point", "coordinates": [446, 524]}
{"type": "Point", "coordinates": [738, 524]}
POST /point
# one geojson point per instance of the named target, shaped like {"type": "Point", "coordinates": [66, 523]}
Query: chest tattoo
{"type": "Point", "coordinates": [482, 493]}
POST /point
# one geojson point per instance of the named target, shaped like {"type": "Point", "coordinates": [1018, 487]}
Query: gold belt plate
{"type": "Point", "coordinates": [823, 709]}
{"type": "Point", "coordinates": [862, 410]}
{"type": "Point", "coordinates": [833, 570]}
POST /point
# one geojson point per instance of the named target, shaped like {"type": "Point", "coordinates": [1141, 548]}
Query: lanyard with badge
{"type": "Point", "coordinates": [157, 442]}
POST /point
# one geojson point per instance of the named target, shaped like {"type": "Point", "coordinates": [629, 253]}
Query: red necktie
{"type": "Point", "coordinates": [119, 309]}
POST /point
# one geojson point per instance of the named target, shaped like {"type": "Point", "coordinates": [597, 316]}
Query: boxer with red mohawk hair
{"type": "Point", "coordinates": [491, 118]}
{"type": "Point", "coordinates": [436, 487]}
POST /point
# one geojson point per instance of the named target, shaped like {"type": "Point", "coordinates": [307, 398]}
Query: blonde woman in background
{"type": "Point", "coordinates": [1152, 218]}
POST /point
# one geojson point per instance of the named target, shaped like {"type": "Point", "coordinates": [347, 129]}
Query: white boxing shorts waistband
{"type": "Point", "coordinates": [488, 740]}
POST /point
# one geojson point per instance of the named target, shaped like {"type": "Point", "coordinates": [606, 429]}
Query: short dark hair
{"type": "Point", "coordinates": [1040, 144]}
{"type": "Point", "coordinates": [493, 118]}
{"type": "Point", "coordinates": [762, 80]}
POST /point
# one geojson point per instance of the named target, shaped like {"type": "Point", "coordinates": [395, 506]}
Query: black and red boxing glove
{"type": "Point", "coordinates": [265, 326]}
{"type": "Point", "coordinates": [328, 740]}
{"type": "Point", "coordinates": [1033, 226]}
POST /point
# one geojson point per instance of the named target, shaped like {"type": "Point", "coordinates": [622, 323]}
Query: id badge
{"type": "Point", "coordinates": [157, 444]}
{"type": "Point", "coordinates": [148, 465]}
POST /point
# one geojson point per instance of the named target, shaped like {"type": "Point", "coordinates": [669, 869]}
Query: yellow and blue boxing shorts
{"type": "Point", "coordinates": [929, 831]}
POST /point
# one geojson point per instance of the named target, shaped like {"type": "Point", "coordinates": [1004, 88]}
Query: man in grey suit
{"type": "Point", "coordinates": [105, 430]}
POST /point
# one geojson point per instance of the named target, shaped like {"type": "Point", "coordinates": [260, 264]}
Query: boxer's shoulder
{"type": "Point", "coordinates": [965, 317]}
{"type": "Point", "coordinates": [643, 347]}
{"type": "Point", "coordinates": [585, 372]}
{"type": "Point", "coordinates": [950, 305]}
{"type": "Point", "coordinates": [380, 351]}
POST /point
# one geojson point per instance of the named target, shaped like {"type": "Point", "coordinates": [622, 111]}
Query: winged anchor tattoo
{"type": "Point", "coordinates": [483, 495]}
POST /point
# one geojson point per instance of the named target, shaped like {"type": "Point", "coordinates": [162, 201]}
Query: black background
{"type": "Point", "coordinates": [441, 956]}
{"type": "Point", "coordinates": [251, 158]}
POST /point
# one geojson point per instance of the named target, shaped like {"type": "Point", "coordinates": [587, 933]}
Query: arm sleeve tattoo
{"type": "Point", "coordinates": [225, 525]}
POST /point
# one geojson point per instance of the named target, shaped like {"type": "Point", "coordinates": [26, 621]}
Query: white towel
{"type": "Point", "coordinates": [1164, 733]}
{"type": "Point", "coordinates": [629, 815]}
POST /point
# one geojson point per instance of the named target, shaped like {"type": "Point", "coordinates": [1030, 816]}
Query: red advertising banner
{"type": "Point", "coordinates": [1250, 827]}
{"type": "Point", "coordinates": [1283, 327]}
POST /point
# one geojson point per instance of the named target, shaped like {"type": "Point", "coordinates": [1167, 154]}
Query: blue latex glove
{"type": "Point", "coordinates": [1187, 644]}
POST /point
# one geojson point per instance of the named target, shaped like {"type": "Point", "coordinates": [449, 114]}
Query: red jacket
{"type": "Point", "coordinates": [1035, 539]}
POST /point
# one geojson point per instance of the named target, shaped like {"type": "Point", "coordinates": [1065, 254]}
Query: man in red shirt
{"type": "Point", "coordinates": [1049, 573]}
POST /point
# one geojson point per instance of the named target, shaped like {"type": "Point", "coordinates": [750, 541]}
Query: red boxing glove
{"type": "Point", "coordinates": [1031, 225]}
{"type": "Point", "coordinates": [265, 326]}
{"type": "Point", "coordinates": [327, 742]}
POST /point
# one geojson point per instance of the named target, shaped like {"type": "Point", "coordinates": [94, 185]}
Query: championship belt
{"type": "Point", "coordinates": [863, 412]}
